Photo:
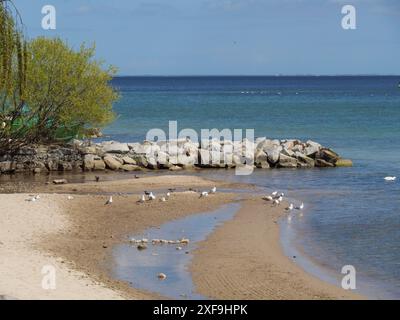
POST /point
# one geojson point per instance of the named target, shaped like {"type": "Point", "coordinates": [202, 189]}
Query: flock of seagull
{"type": "Point", "coordinates": [276, 198]}
{"type": "Point", "coordinates": [150, 196]}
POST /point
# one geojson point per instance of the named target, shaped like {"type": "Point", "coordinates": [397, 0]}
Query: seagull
{"type": "Point", "coordinates": [290, 208]}
{"type": "Point", "coordinates": [300, 207]}
{"type": "Point", "coordinates": [213, 190]}
{"type": "Point", "coordinates": [274, 193]}
{"type": "Point", "coordinates": [276, 202]}
{"type": "Point", "coordinates": [163, 199]}
{"type": "Point", "coordinates": [268, 198]}
{"type": "Point", "coordinates": [37, 197]}
{"type": "Point", "coordinates": [142, 199]}
{"type": "Point", "coordinates": [147, 193]}
{"type": "Point", "coordinates": [152, 196]}
{"type": "Point", "coordinates": [109, 201]}
{"type": "Point", "coordinates": [280, 198]}
{"type": "Point", "coordinates": [390, 178]}
{"type": "Point", "coordinates": [33, 199]}
{"type": "Point", "coordinates": [204, 194]}
{"type": "Point", "coordinates": [168, 194]}
{"type": "Point", "coordinates": [70, 198]}
{"type": "Point", "coordinates": [282, 195]}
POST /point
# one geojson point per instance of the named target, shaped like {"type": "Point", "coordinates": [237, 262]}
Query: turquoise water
{"type": "Point", "coordinates": [352, 216]}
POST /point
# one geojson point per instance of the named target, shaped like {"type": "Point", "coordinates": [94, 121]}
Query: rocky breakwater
{"type": "Point", "coordinates": [171, 155]}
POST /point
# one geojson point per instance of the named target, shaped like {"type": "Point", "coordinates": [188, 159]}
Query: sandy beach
{"type": "Point", "coordinates": [76, 236]}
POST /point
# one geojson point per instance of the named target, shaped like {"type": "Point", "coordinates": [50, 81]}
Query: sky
{"type": "Point", "coordinates": [228, 37]}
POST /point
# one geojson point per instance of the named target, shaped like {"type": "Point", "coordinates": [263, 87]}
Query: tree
{"type": "Point", "coordinates": [13, 64]}
{"type": "Point", "coordinates": [67, 90]}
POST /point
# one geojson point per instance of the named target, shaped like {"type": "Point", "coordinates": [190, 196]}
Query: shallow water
{"type": "Point", "coordinates": [352, 216]}
{"type": "Point", "coordinates": [140, 268]}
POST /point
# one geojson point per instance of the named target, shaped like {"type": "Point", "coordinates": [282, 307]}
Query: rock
{"type": "Point", "coordinates": [162, 276]}
{"type": "Point", "coordinates": [141, 160]}
{"type": "Point", "coordinates": [5, 297]}
{"type": "Point", "coordinates": [128, 160]}
{"type": "Point", "coordinates": [64, 166]}
{"type": "Point", "coordinates": [99, 164]}
{"type": "Point", "coordinates": [261, 160]}
{"type": "Point", "coordinates": [112, 162]}
{"type": "Point", "coordinates": [344, 163]}
{"type": "Point", "coordinates": [328, 155]}
{"type": "Point", "coordinates": [304, 161]}
{"type": "Point", "coordinates": [175, 168]}
{"type": "Point", "coordinates": [141, 247]}
{"type": "Point", "coordinates": [321, 163]}
{"type": "Point", "coordinates": [7, 166]}
{"type": "Point", "coordinates": [88, 162]}
{"type": "Point", "coordinates": [287, 162]}
{"type": "Point", "coordinates": [60, 181]}
{"type": "Point", "coordinates": [115, 147]}
{"type": "Point", "coordinates": [273, 155]}
{"type": "Point", "coordinates": [130, 167]}
{"type": "Point", "coordinates": [287, 152]}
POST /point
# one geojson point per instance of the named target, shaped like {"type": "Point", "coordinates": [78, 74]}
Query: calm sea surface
{"type": "Point", "coordinates": [352, 215]}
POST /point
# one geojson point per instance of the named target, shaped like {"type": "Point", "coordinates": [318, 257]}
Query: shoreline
{"type": "Point", "coordinates": [240, 263]}
{"type": "Point", "coordinates": [77, 237]}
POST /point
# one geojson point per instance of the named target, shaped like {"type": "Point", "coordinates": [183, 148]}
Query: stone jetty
{"type": "Point", "coordinates": [171, 155]}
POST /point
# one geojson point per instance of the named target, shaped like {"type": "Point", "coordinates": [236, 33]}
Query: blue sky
{"type": "Point", "coordinates": [228, 37]}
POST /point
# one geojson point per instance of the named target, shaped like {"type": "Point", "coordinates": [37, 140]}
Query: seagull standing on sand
{"type": "Point", "coordinates": [274, 194]}
{"type": "Point", "coordinates": [276, 202]}
{"type": "Point", "coordinates": [268, 198]}
{"type": "Point", "coordinates": [109, 201]}
{"type": "Point", "coordinates": [204, 194]}
{"type": "Point", "coordinates": [142, 199]}
{"type": "Point", "coordinates": [152, 196]}
{"type": "Point", "coordinates": [168, 194]}
{"type": "Point", "coordinates": [280, 198]}
{"type": "Point", "coordinates": [290, 208]}
{"type": "Point", "coordinates": [213, 190]}
{"type": "Point", "coordinates": [163, 199]}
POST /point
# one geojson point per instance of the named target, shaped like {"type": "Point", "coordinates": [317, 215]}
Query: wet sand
{"type": "Point", "coordinates": [243, 259]}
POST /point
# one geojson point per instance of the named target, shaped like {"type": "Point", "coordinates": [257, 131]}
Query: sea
{"type": "Point", "coordinates": [352, 215]}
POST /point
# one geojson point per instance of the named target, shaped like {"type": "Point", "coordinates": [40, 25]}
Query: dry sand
{"type": "Point", "coordinates": [76, 236]}
{"type": "Point", "coordinates": [243, 259]}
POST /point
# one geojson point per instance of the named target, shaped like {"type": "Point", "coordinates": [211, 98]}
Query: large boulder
{"type": "Point", "coordinates": [261, 160]}
{"type": "Point", "coordinates": [130, 167]}
{"type": "Point", "coordinates": [7, 166]}
{"type": "Point", "coordinates": [287, 162]}
{"type": "Point", "coordinates": [88, 162]}
{"type": "Point", "coordinates": [115, 147]}
{"type": "Point", "coordinates": [304, 161]}
{"type": "Point", "coordinates": [112, 162]}
{"type": "Point", "coordinates": [328, 155]}
{"type": "Point", "coordinates": [273, 154]}
{"type": "Point", "coordinates": [344, 163]}
{"type": "Point", "coordinates": [128, 160]}
{"type": "Point", "coordinates": [321, 163]}
{"type": "Point", "coordinates": [99, 164]}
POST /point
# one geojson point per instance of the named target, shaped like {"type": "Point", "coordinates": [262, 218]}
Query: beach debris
{"type": "Point", "coordinates": [105, 246]}
{"type": "Point", "coordinates": [97, 178]}
{"type": "Point", "coordinates": [162, 276]}
{"type": "Point", "coordinates": [70, 198]}
{"type": "Point", "coordinates": [390, 178]}
{"type": "Point", "coordinates": [300, 207]}
{"type": "Point", "coordinates": [204, 194]}
{"type": "Point", "coordinates": [163, 199]}
{"type": "Point", "coordinates": [109, 201]}
{"type": "Point", "coordinates": [290, 207]}
{"type": "Point", "coordinates": [60, 181]}
{"type": "Point", "coordinates": [213, 190]}
{"type": "Point", "coordinates": [172, 190]}
{"type": "Point", "coordinates": [142, 246]}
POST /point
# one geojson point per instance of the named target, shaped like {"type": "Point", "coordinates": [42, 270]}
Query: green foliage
{"type": "Point", "coordinates": [67, 88]}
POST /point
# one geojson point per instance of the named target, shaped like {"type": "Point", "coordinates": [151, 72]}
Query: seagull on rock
{"type": "Point", "coordinates": [109, 201]}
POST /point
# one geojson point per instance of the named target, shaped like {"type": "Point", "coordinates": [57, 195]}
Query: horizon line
{"type": "Point", "coordinates": [260, 75]}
